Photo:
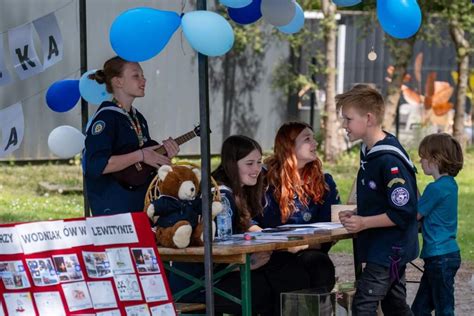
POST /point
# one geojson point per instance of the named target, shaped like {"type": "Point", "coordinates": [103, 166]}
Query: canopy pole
{"type": "Point", "coordinates": [84, 104]}
{"type": "Point", "coordinates": [206, 171]}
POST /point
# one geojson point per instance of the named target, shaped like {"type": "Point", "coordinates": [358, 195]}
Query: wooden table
{"type": "Point", "coordinates": [239, 256]}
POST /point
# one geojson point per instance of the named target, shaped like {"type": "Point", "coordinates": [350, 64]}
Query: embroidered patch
{"type": "Point", "coordinates": [307, 216]}
{"type": "Point", "coordinates": [98, 127]}
{"type": "Point", "coordinates": [394, 170]}
{"type": "Point", "coordinates": [400, 196]}
{"type": "Point", "coordinates": [395, 181]}
{"type": "Point", "coordinates": [372, 185]}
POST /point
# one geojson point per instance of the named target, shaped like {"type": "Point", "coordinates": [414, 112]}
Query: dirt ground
{"type": "Point", "coordinates": [464, 291]}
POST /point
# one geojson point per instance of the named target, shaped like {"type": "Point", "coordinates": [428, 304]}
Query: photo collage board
{"type": "Point", "coordinates": [104, 266]}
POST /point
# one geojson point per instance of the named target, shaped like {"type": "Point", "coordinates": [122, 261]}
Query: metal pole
{"type": "Point", "coordinates": [205, 171]}
{"type": "Point", "coordinates": [84, 105]}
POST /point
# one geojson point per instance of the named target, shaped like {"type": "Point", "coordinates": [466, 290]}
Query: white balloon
{"type": "Point", "coordinates": [278, 12]}
{"type": "Point", "coordinates": [66, 141]}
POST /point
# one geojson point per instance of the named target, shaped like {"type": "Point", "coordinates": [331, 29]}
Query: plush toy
{"type": "Point", "coordinates": [178, 207]}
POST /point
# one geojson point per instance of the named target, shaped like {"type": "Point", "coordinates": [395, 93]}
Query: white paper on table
{"type": "Point", "coordinates": [49, 304]}
{"type": "Point", "coordinates": [321, 225]}
{"type": "Point", "coordinates": [153, 287]}
{"type": "Point", "coordinates": [77, 296]}
{"type": "Point", "coordinates": [102, 294]}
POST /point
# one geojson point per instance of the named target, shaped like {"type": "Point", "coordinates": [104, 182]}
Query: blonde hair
{"type": "Point", "coordinates": [443, 150]}
{"type": "Point", "coordinates": [364, 99]}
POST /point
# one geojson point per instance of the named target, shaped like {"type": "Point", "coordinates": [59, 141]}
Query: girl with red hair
{"type": "Point", "coordinates": [300, 193]}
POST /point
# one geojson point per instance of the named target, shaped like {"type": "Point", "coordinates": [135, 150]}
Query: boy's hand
{"type": "Point", "coordinates": [343, 215]}
{"type": "Point", "coordinates": [354, 223]}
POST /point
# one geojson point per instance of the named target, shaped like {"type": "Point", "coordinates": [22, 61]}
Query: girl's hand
{"type": "Point", "coordinates": [171, 146]}
{"type": "Point", "coordinates": [151, 158]}
{"type": "Point", "coordinates": [297, 248]}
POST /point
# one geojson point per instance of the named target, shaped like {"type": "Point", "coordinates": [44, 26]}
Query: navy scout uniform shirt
{"type": "Point", "coordinates": [386, 183]}
{"type": "Point", "coordinates": [111, 133]}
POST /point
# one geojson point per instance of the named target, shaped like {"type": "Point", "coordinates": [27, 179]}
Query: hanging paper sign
{"type": "Point", "coordinates": [12, 125]}
{"type": "Point", "coordinates": [110, 230]}
{"type": "Point", "coordinates": [76, 233]}
{"type": "Point", "coordinates": [41, 236]}
{"type": "Point", "coordinates": [9, 241]}
{"type": "Point", "coordinates": [22, 51]}
{"type": "Point", "coordinates": [51, 39]}
{"type": "Point", "coordinates": [5, 77]}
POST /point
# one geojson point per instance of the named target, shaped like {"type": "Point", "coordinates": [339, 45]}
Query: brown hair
{"type": "Point", "coordinates": [284, 176]}
{"type": "Point", "coordinates": [248, 199]}
{"type": "Point", "coordinates": [443, 150]}
{"type": "Point", "coordinates": [112, 68]}
{"type": "Point", "coordinates": [364, 99]}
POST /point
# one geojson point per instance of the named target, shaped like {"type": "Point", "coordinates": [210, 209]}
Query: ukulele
{"type": "Point", "coordinates": [140, 173]}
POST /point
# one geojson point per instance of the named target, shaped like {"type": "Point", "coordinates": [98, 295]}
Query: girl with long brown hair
{"type": "Point", "coordinates": [300, 193]}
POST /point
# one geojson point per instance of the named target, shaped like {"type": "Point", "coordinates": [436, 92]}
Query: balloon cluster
{"type": "Point", "coordinates": [141, 33]}
{"type": "Point", "coordinates": [286, 15]}
{"type": "Point", "coordinates": [399, 18]}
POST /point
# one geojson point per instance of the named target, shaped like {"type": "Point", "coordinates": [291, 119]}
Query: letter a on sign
{"type": "Point", "coordinates": [51, 39]}
{"type": "Point", "coordinates": [12, 125]}
{"type": "Point", "coordinates": [24, 57]}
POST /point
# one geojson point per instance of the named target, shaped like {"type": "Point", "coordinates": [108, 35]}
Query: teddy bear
{"type": "Point", "coordinates": [177, 210]}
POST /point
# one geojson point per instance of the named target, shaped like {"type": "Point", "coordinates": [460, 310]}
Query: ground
{"type": "Point", "coordinates": [464, 287]}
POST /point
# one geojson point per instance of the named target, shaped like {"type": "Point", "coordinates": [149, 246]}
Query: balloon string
{"type": "Point", "coordinates": [181, 42]}
{"type": "Point", "coordinates": [183, 5]}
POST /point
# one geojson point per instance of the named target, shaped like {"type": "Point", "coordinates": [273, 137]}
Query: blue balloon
{"type": "Point", "coordinates": [296, 24]}
{"type": "Point", "coordinates": [141, 33]}
{"type": "Point", "coordinates": [235, 3]}
{"type": "Point", "coordinates": [399, 18]}
{"type": "Point", "coordinates": [248, 14]}
{"type": "Point", "coordinates": [208, 32]}
{"type": "Point", "coordinates": [63, 95]}
{"type": "Point", "coordinates": [346, 3]}
{"type": "Point", "coordinates": [92, 91]}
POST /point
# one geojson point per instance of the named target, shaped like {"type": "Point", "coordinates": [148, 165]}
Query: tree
{"type": "Point", "coordinates": [460, 15]}
{"type": "Point", "coordinates": [295, 74]}
{"type": "Point", "coordinates": [236, 75]}
{"type": "Point", "coordinates": [331, 125]}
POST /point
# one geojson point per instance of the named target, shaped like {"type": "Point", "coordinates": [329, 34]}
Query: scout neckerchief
{"type": "Point", "coordinates": [133, 119]}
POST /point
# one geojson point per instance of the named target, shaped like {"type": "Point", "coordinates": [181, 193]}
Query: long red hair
{"type": "Point", "coordinates": [284, 176]}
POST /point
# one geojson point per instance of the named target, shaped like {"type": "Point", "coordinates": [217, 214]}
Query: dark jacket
{"type": "Point", "coordinates": [171, 210]}
{"type": "Point", "coordinates": [386, 183]}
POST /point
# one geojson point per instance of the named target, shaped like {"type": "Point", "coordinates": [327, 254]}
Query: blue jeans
{"type": "Point", "coordinates": [436, 291]}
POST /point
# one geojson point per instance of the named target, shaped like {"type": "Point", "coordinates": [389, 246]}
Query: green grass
{"type": "Point", "coordinates": [20, 199]}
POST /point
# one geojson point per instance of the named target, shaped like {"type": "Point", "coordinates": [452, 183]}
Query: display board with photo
{"type": "Point", "coordinates": [107, 267]}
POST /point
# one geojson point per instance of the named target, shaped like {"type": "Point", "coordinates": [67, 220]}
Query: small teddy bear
{"type": "Point", "coordinates": [178, 207]}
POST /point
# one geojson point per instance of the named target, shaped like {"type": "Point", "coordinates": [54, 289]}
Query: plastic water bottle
{"type": "Point", "coordinates": [224, 221]}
